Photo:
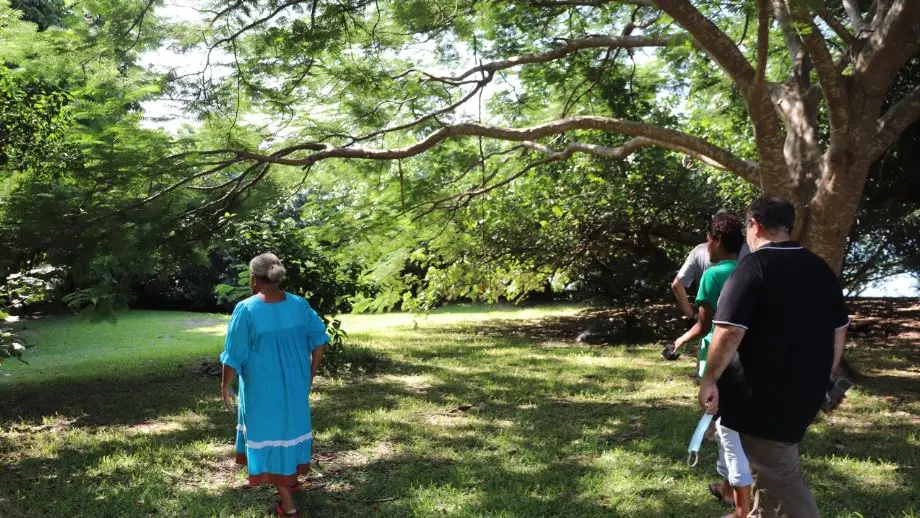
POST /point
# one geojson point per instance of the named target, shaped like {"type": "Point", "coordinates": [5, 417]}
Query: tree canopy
{"type": "Point", "coordinates": [410, 153]}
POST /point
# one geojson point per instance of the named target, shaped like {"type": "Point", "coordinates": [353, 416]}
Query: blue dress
{"type": "Point", "coordinates": [269, 345]}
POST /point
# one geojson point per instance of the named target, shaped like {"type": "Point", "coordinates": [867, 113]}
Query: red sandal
{"type": "Point", "coordinates": [281, 512]}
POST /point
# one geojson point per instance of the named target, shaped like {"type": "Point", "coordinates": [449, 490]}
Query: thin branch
{"type": "Point", "coordinates": [139, 19]}
{"type": "Point", "coordinates": [832, 84]}
{"type": "Point", "coordinates": [138, 24]}
{"type": "Point", "coordinates": [763, 41]}
{"type": "Point", "coordinates": [226, 10]}
{"type": "Point", "coordinates": [255, 23]}
{"type": "Point", "coordinates": [591, 42]}
{"type": "Point", "coordinates": [610, 53]}
{"type": "Point", "coordinates": [431, 115]}
{"type": "Point", "coordinates": [456, 201]}
{"type": "Point", "coordinates": [296, 190]}
{"type": "Point", "coordinates": [708, 36]}
{"type": "Point", "coordinates": [589, 3]}
{"type": "Point", "coordinates": [839, 29]}
{"type": "Point", "coordinates": [220, 167]}
{"type": "Point", "coordinates": [855, 15]}
{"type": "Point", "coordinates": [573, 99]}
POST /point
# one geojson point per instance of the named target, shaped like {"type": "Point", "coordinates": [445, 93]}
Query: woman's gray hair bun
{"type": "Point", "coordinates": [267, 267]}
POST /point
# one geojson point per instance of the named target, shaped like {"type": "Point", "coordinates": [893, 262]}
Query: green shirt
{"type": "Point", "coordinates": [711, 287]}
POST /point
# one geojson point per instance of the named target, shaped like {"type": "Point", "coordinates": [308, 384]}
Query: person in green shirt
{"type": "Point", "coordinates": [723, 242]}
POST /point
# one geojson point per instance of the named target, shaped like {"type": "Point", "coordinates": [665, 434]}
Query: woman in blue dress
{"type": "Point", "coordinates": [274, 344]}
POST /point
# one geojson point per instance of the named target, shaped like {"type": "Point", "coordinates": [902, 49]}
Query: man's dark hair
{"type": "Point", "coordinates": [726, 227]}
{"type": "Point", "coordinates": [772, 213]}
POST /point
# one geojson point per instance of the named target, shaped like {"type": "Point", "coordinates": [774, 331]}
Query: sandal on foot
{"type": "Point", "coordinates": [278, 511]}
{"type": "Point", "coordinates": [714, 491]}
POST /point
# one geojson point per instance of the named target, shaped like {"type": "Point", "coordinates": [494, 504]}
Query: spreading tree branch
{"type": "Point", "coordinates": [832, 84]}
{"type": "Point", "coordinates": [838, 27]}
{"type": "Point", "coordinates": [898, 118]}
{"type": "Point", "coordinates": [664, 137]}
{"type": "Point", "coordinates": [431, 115]}
{"type": "Point", "coordinates": [713, 41]}
{"type": "Point", "coordinates": [893, 41]}
{"type": "Point", "coordinates": [768, 131]}
{"type": "Point", "coordinates": [589, 3]}
{"type": "Point", "coordinates": [793, 44]}
{"type": "Point", "coordinates": [855, 15]}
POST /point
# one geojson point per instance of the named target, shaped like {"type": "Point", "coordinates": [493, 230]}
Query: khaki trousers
{"type": "Point", "coordinates": [779, 489]}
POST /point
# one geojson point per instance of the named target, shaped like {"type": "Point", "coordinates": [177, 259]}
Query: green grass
{"type": "Point", "coordinates": [474, 413]}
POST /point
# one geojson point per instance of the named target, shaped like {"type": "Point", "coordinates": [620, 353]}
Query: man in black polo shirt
{"type": "Point", "coordinates": [782, 311]}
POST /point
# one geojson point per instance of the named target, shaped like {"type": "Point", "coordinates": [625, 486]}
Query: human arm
{"type": "Point", "coordinates": [737, 304]}
{"type": "Point", "coordinates": [236, 352]}
{"type": "Point", "coordinates": [699, 329]}
{"type": "Point", "coordinates": [689, 272]}
{"type": "Point", "coordinates": [725, 341]}
{"type": "Point", "coordinates": [840, 339]}
{"type": "Point", "coordinates": [227, 377]}
{"type": "Point", "coordinates": [683, 302]}
{"type": "Point", "coordinates": [317, 338]}
{"type": "Point", "coordinates": [316, 357]}
{"type": "Point", "coordinates": [842, 319]}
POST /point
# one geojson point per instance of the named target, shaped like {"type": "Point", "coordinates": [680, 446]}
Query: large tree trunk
{"type": "Point", "coordinates": [825, 186]}
{"type": "Point", "coordinates": [829, 215]}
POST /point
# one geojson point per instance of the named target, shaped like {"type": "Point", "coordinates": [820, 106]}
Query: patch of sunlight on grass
{"type": "Point", "coordinates": [140, 341]}
{"type": "Point", "coordinates": [435, 500]}
{"type": "Point", "coordinates": [870, 475]}
{"type": "Point", "coordinates": [633, 482]}
{"type": "Point", "coordinates": [465, 418]}
{"type": "Point", "coordinates": [219, 329]}
{"type": "Point", "coordinates": [451, 315]}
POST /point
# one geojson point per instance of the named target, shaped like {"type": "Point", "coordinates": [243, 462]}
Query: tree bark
{"type": "Point", "coordinates": [830, 214]}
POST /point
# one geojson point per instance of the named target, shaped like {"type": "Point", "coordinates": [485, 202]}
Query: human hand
{"type": "Point", "coordinates": [709, 397]}
{"type": "Point", "coordinates": [226, 393]}
{"type": "Point", "coordinates": [680, 342]}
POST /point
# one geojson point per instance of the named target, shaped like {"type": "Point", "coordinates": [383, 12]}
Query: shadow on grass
{"type": "Point", "coordinates": [599, 326]}
{"type": "Point", "coordinates": [492, 430]}
{"type": "Point", "coordinates": [108, 402]}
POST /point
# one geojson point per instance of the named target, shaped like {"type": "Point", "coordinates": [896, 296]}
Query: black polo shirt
{"type": "Point", "coordinates": [790, 303]}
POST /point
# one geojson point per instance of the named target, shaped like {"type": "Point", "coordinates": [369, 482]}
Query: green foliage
{"type": "Point", "coordinates": [35, 286]}
{"type": "Point", "coordinates": [885, 237]}
{"type": "Point", "coordinates": [20, 290]}
{"type": "Point", "coordinates": [11, 345]}
{"type": "Point", "coordinates": [138, 219]}
{"type": "Point", "coordinates": [310, 272]}
{"type": "Point", "coordinates": [43, 13]}
{"type": "Point", "coordinates": [32, 121]}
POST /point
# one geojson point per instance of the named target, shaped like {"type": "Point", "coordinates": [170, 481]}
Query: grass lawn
{"type": "Point", "coordinates": [472, 413]}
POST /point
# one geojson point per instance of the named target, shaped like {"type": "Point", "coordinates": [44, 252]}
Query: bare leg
{"type": "Point", "coordinates": [287, 499]}
{"type": "Point", "coordinates": [726, 490]}
{"type": "Point", "coordinates": [742, 497]}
